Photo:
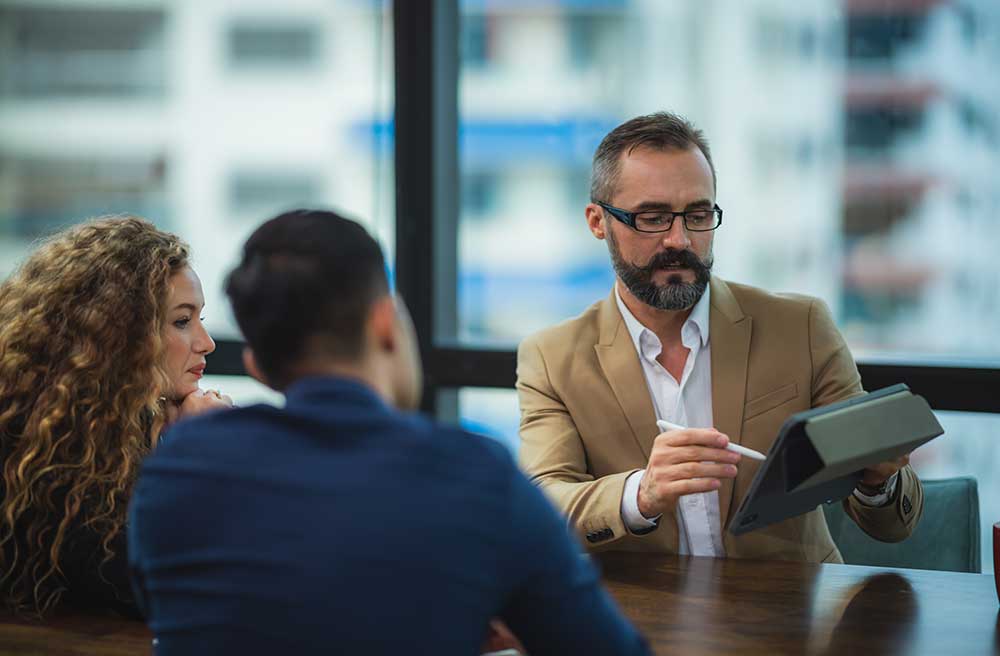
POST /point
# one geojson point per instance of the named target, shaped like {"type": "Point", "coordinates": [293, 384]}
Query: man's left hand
{"type": "Point", "coordinates": [880, 473]}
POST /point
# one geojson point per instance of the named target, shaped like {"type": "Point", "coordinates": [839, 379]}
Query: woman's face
{"type": "Point", "coordinates": [185, 340]}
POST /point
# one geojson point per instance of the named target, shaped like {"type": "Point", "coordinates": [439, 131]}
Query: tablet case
{"type": "Point", "coordinates": [820, 453]}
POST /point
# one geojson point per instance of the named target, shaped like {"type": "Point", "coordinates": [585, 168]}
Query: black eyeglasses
{"type": "Point", "coordinates": [663, 220]}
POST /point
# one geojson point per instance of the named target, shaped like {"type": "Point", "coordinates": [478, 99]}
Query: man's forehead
{"type": "Point", "coordinates": [664, 167]}
{"type": "Point", "coordinates": [652, 152]}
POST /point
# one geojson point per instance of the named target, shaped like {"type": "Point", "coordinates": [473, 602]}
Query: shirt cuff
{"type": "Point", "coordinates": [879, 500]}
{"type": "Point", "coordinates": [634, 519]}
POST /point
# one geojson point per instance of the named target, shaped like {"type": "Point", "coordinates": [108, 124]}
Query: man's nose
{"type": "Point", "coordinates": [677, 237]}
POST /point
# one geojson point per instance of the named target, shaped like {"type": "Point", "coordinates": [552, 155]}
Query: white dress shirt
{"type": "Point", "coordinates": [688, 403]}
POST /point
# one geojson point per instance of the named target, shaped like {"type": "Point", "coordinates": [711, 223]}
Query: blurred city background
{"type": "Point", "coordinates": [857, 144]}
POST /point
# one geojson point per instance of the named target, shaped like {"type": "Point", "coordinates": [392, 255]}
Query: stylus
{"type": "Point", "coordinates": [735, 448]}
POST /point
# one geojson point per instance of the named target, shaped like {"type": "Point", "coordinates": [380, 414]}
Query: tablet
{"type": "Point", "coordinates": [819, 454]}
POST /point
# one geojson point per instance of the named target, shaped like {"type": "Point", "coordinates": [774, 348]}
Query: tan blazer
{"type": "Point", "coordinates": [587, 420]}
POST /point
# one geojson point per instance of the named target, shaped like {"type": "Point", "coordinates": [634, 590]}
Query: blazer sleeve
{"type": "Point", "coordinates": [835, 378]}
{"type": "Point", "coordinates": [553, 456]}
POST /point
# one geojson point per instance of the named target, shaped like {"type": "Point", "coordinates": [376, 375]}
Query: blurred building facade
{"type": "Point", "coordinates": [922, 110]}
{"type": "Point", "coordinates": [856, 141]}
{"type": "Point", "coordinates": [856, 144]}
{"type": "Point", "coordinates": [205, 116]}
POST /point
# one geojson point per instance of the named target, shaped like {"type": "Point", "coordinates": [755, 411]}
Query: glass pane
{"type": "Point", "coordinates": [205, 117]}
{"type": "Point", "coordinates": [856, 145]}
{"type": "Point", "coordinates": [67, 52]}
{"type": "Point", "coordinates": [492, 412]}
{"type": "Point", "coordinates": [969, 447]}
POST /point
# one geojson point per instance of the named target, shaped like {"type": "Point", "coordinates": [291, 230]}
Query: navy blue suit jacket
{"type": "Point", "coordinates": [339, 525]}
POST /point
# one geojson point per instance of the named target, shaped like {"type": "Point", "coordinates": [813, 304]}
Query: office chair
{"type": "Point", "coordinates": [945, 538]}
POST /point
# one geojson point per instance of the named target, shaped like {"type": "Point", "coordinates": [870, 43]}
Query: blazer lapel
{"type": "Point", "coordinates": [620, 363]}
{"type": "Point", "coordinates": [730, 332]}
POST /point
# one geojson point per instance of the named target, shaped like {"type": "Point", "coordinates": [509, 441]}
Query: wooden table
{"type": "Point", "coordinates": [690, 605]}
{"type": "Point", "coordinates": [69, 633]}
{"type": "Point", "coordinates": [696, 606]}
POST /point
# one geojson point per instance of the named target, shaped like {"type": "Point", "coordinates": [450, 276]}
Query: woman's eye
{"type": "Point", "coordinates": [182, 323]}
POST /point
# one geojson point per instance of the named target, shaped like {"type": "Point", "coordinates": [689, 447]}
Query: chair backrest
{"type": "Point", "coordinates": [946, 537]}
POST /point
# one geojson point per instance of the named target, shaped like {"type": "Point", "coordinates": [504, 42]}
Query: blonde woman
{"type": "Point", "coordinates": [101, 347]}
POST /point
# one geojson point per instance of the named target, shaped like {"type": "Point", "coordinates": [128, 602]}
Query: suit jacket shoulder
{"type": "Point", "coordinates": [765, 305]}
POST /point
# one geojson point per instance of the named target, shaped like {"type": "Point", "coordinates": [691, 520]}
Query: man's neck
{"type": "Point", "coordinates": [355, 371]}
{"type": "Point", "coordinates": [665, 324]}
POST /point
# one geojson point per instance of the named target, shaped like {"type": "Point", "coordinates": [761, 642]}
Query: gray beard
{"type": "Point", "coordinates": [675, 294]}
{"type": "Point", "coordinates": [672, 296]}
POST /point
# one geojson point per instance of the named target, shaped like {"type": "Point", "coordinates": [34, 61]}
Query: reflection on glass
{"type": "Point", "coordinates": [856, 145]}
{"type": "Point", "coordinates": [206, 117]}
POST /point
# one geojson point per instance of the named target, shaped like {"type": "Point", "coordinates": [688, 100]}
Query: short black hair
{"type": "Point", "coordinates": [305, 274]}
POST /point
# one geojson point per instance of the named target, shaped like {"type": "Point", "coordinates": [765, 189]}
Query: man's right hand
{"type": "Point", "coordinates": [686, 461]}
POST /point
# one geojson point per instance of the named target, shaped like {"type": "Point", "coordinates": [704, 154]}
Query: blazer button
{"type": "Point", "coordinates": [907, 506]}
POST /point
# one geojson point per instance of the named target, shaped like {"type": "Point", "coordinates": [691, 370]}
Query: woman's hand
{"type": "Point", "coordinates": [201, 401]}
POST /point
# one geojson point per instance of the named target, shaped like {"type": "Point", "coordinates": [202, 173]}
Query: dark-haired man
{"type": "Point", "coordinates": [339, 524]}
{"type": "Point", "coordinates": [726, 362]}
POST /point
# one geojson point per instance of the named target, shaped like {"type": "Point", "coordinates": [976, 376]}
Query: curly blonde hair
{"type": "Point", "coordinates": [80, 392]}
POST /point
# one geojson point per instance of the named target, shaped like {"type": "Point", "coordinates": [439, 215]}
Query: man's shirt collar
{"type": "Point", "coordinates": [695, 328]}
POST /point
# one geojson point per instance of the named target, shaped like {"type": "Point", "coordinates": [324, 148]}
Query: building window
{"type": "Point", "coordinates": [47, 194]}
{"type": "Point", "coordinates": [77, 53]}
{"type": "Point", "coordinates": [585, 32]}
{"type": "Point", "coordinates": [480, 193]}
{"type": "Point", "coordinates": [260, 193]}
{"type": "Point", "coordinates": [879, 38]}
{"type": "Point", "coordinates": [475, 40]}
{"type": "Point", "coordinates": [258, 45]}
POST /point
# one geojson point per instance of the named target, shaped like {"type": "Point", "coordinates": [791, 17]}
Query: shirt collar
{"type": "Point", "coordinates": [336, 390]}
{"type": "Point", "coordinates": [641, 335]}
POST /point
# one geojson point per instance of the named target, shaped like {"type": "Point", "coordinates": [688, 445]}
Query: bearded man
{"type": "Point", "coordinates": [725, 361]}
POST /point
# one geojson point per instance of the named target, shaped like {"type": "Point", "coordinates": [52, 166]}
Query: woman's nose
{"type": "Point", "coordinates": [205, 343]}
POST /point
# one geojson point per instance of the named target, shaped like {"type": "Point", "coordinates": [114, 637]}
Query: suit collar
{"type": "Point", "coordinates": [731, 334]}
{"type": "Point", "coordinates": [619, 361]}
{"type": "Point", "coordinates": [724, 302]}
{"type": "Point", "coordinates": [609, 320]}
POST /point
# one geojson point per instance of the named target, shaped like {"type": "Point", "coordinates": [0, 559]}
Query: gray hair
{"type": "Point", "coordinates": [660, 131]}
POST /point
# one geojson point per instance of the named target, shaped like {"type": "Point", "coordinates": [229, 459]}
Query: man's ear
{"type": "Point", "coordinates": [382, 324]}
{"type": "Point", "coordinates": [252, 368]}
{"type": "Point", "coordinates": [595, 220]}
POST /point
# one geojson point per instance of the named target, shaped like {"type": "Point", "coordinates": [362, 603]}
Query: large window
{"type": "Point", "coordinates": [206, 117]}
{"type": "Point", "coordinates": [856, 145]}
